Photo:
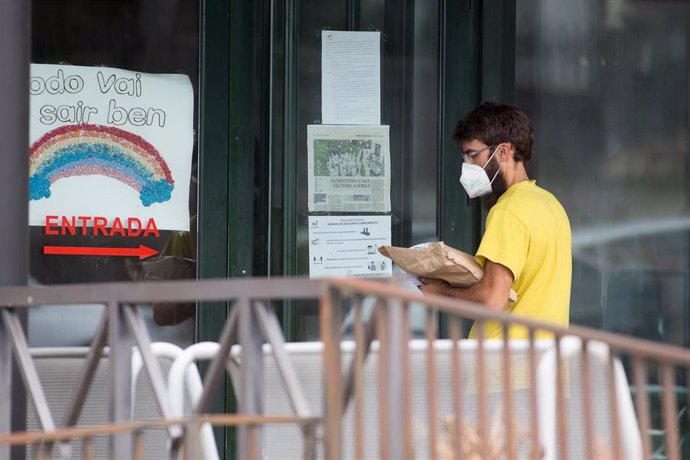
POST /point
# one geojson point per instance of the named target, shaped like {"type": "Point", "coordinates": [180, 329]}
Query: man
{"type": "Point", "coordinates": [527, 243]}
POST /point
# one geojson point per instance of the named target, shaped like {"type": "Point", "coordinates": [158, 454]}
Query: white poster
{"type": "Point", "coordinates": [350, 78]}
{"type": "Point", "coordinates": [348, 246]}
{"type": "Point", "coordinates": [110, 143]}
{"type": "Point", "coordinates": [349, 168]}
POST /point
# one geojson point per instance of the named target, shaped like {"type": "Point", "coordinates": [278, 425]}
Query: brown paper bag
{"type": "Point", "coordinates": [437, 260]}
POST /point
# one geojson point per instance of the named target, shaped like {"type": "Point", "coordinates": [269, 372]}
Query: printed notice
{"type": "Point", "coordinates": [348, 246]}
{"type": "Point", "coordinates": [350, 78]}
{"type": "Point", "coordinates": [349, 168]}
{"type": "Point", "coordinates": [110, 142]}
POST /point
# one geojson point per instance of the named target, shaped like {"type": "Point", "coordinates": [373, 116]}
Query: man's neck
{"type": "Point", "coordinates": [516, 174]}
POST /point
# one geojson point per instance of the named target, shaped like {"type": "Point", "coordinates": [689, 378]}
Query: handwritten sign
{"type": "Point", "coordinates": [110, 142]}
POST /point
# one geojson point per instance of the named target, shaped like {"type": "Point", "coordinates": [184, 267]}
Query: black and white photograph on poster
{"type": "Point", "coordinates": [348, 246]}
{"type": "Point", "coordinates": [349, 168]}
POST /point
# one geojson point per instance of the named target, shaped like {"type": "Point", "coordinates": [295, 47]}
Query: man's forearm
{"type": "Point", "coordinates": [477, 293]}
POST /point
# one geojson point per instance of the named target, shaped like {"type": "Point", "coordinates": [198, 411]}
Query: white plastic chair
{"type": "Point", "coordinates": [160, 350]}
{"type": "Point", "coordinates": [183, 371]}
{"type": "Point", "coordinates": [59, 369]}
{"type": "Point", "coordinates": [285, 441]}
{"type": "Point", "coordinates": [600, 405]}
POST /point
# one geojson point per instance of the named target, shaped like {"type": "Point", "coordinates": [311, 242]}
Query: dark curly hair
{"type": "Point", "coordinates": [494, 123]}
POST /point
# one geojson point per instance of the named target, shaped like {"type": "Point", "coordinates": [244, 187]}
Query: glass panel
{"type": "Point", "coordinates": [409, 88]}
{"type": "Point", "coordinates": [147, 36]}
{"type": "Point", "coordinates": [606, 85]}
{"type": "Point", "coordinates": [425, 124]}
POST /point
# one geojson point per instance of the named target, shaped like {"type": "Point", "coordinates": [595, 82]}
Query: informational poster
{"type": "Point", "coordinates": [349, 168]}
{"type": "Point", "coordinates": [348, 246]}
{"type": "Point", "coordinates": [110, 144]}
{"type": "Point", "coordinates": [350, 78]}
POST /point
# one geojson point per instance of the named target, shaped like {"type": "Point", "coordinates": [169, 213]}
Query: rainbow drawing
{"type": "Point", "coordinates": [85, 150]}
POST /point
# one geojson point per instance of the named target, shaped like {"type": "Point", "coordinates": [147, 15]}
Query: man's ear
{"type": "Point", "coordinates": [505, 152]}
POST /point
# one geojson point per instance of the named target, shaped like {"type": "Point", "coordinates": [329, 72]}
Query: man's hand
{"type": "Point", "coordinates": [434, 286]}
{"type": "Point", "coordinates": [492, 290]}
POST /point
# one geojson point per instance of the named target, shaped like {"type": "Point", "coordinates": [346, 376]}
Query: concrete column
{"type": "Point", "coordinates": [15, 39]}
{"type": "Point", "coordinates": [15, 28]}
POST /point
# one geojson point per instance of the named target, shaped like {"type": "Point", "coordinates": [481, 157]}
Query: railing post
{"type": "Point", "coordinates": [398, 447]}
{"type": "Point", "coordinates": [121, 342]}
{"type": "Point", "coordinates": [669, 411]}
{"type": "Point", "coordinates": [331, 314]}
{"type": "Point", "coordinates": [642, 403]}
{"type": "Point", "coordinates": [431, 390]}
{"type": "Point", "coordinates": [251, 378]}
{"type": "Point", "coordinates": [5, 387]}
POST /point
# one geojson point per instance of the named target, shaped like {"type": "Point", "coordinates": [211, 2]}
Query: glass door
{"type": "Point", "coordinates": [438, 59]}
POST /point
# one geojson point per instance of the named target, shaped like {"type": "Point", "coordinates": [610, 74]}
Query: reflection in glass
{"type": "Point", "coordinates": [606, 86]}
{"type": "Point", "coordinates": [150, 36]}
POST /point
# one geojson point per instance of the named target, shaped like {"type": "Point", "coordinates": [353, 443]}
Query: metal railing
{"type": "Point", "coordinates": [546, 382]}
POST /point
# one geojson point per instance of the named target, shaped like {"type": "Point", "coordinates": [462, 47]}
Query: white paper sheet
{"type": "Point", "coordinates": [143, 121]}
{"type": "Point", "coordinates": [348, 168]}
{"type": "Point", "coordinates": [350, 78]}
{"type": "Point", "coordinates": [347, 246]}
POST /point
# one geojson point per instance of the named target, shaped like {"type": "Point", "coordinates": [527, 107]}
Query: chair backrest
{"type": "Point", "coordinates": [600, 403]}
{"type": "Point", "coordinates": [184, 373]}
{"type": "Point", "coordinates": [59, 370]}
{"type": "Point", "coordinates": [286, 441]}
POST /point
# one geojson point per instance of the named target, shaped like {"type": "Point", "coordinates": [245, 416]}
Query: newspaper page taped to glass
{"type": "Point", "coordinates": [349, 168]}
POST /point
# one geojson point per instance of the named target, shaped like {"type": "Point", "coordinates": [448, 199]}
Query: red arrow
{"type": "Point", "coordinates": [142, 251]}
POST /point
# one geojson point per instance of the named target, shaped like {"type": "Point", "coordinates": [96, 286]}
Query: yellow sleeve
{"type": "Point", "coordinates": [505, 241]}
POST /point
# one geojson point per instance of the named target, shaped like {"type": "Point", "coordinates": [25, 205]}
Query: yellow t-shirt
{"type": "Point", "coordinates": [528, 231]}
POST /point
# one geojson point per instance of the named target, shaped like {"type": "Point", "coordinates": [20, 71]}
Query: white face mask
{"type": "Point", "coordinates": [475, 180]}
